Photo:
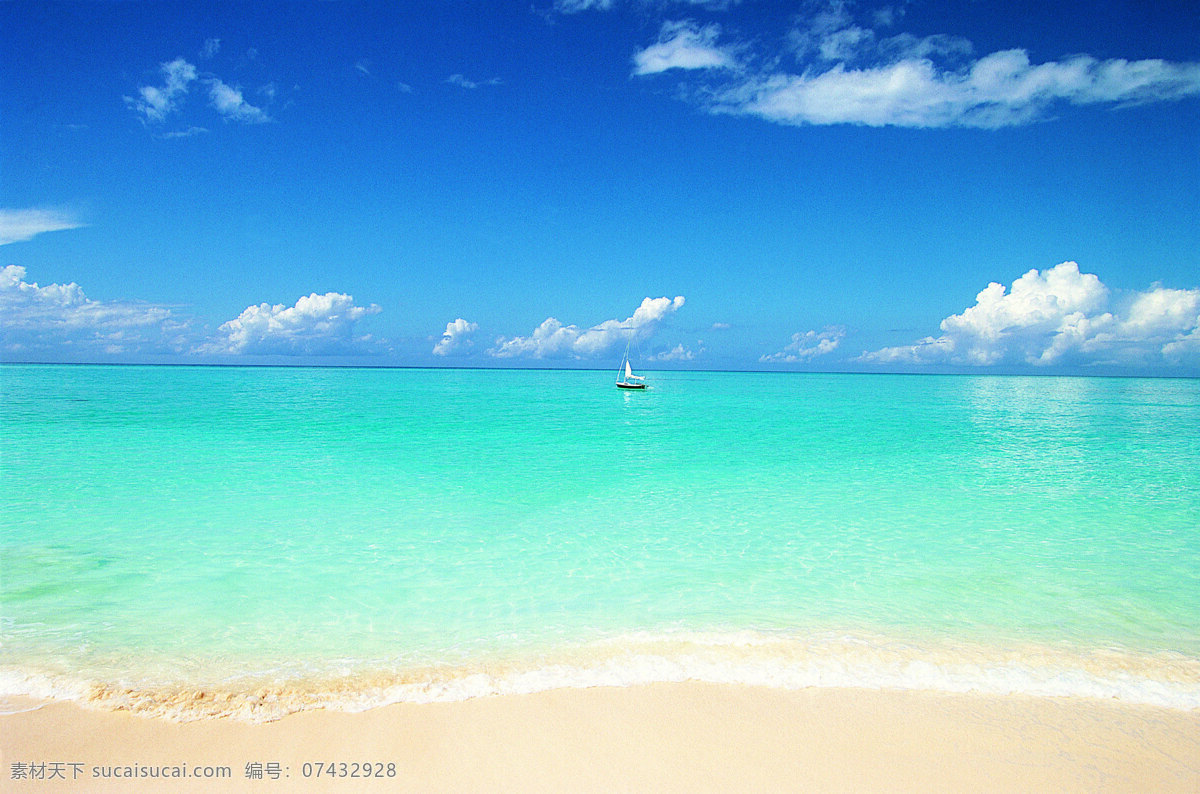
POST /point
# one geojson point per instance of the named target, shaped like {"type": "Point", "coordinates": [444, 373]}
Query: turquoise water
{"type": "Point", "coordinates": [354, 536]}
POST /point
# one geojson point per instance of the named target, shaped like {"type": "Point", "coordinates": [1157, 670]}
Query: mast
{"type": "Point", "coordinates": [625, 376]}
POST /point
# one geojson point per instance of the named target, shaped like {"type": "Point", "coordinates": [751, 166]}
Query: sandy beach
{"type": "Point", "coordinates": [662, 737]}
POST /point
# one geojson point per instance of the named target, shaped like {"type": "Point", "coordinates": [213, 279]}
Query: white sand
{"type": "Point", "coordinates": [665, 737]}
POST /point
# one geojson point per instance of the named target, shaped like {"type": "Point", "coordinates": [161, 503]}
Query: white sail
{"type": "Point", "coordinates": [628, 380]}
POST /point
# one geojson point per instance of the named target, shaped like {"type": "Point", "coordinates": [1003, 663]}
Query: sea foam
{"type": "Point", "coordinates": [830, 660]}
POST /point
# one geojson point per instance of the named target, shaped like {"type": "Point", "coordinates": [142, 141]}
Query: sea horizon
{"type": "Point", "coordinates": [273, 538]}
{"type": "Point", "coordinates": [939, 371]}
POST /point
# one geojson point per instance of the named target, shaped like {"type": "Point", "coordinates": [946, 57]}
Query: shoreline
{"type": "Point", "coordinates": [829, 660]}
{"type": "Point", "coordinates": [687, 736]}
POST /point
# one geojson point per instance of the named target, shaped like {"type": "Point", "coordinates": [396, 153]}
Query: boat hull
{"type": "Point", "coordinates": [631, 385]}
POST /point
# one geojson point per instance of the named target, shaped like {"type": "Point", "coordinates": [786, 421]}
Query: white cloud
{"type": "Point", "coordinates": [315, 325]}
{"type": "Point", "coordinates": [1162, 311]}
{"type": "Point", "coordinates": [1185, 347]}
{"type": "Point", "coordinates": [188, 133]}
{"type": "Point", "coordinates": [60, 319]}
{"type": "Point", "coordinates": [17, 226]}
{"type": "Point", "coordinates": [156, 103]}
{"type": "Point", "coordinates": [1062, 316]}
{"type": "Point", "coordinates": [712, 5]}
{"type": "Point", "coordinates": [549, 340]}
{"type": "Point", "coordinates": [59, 322]}
{"type": "Point", "coordinates": [575, 6]}
{"type": "Point", "coordinates": [849, 74]}
{"type": "Point", "coordinates": [229, 102]}
{"type": "Point", "coordinates": [999, 90]}
{"type": "Point", "coordinates": [807, 346]}
{"type": "Point", "coordinates": [683, 45]}
{"type": "Point", "coordinates": [906, 46]}
{"type": "Point", "coordinates": [886, 17]}
{"type": "Point", "coordinates": [677, 353]}
{"type": "Point", "coordinates": [831, 35]}
{"type": "Point", "coordinates": [462, 82]}
{"type": "Point", "coordinates": [845, 44]}
{"type": "Point", "coordinates": [552, 339]}
{"type": "Point", "coordinates": [456, 338]}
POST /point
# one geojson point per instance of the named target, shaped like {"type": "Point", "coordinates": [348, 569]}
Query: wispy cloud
{"type": "Point", "coordinates": [463, 82]}
{"type": "Point", "coordinates": [1000, 90]}
{"type": "Point", "coordinates": [456, 339]}
{"type": "Point", "coordinates": [552, 339]}
{"type": "Point", "coordinates": [59, 320]}
{"type": "Point", "coordinates": [156, 103]}
{"type": "Point", "coordinates": [188, 133]}
{"type": "Point", "coordinates": [315, 325]}
{"type": "Point", "coordinates": [683, 45]}
{"type": "Point", "coordinates": [1062, 316]}
{"type": "Point", "coordinates": [806, 346]}
{"type": "Point", "coordinates": [845, 73]}
{"type": "Point", "coordinates": [19, 225]}
{"type": "Point", "coordinates": [577, 6]}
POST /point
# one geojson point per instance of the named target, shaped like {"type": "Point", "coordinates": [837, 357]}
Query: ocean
{"type": "Point", "coordinates": [202, 541]}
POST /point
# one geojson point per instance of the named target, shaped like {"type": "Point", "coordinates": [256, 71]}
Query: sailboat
{"type": "Point", "coordinates": [625, 377]}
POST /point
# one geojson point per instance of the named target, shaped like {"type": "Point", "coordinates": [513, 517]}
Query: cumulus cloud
{"type": "Point", "coordinates": [61, 319]}
{"type": "Point", "coordinates": [1062, 316]}
{"type": "Point", "coordinates": [17, 226]}
{"type": "Point", "coordinates": [552, 339]}
{"type": "Point", "coordinates": [807, 346]}
{"type": "Point", "coordinates": [59, 322]}
{"type": "Point", "coordinates": [677, 353]}
{"type": "Point", "coordinates": [683, 45]}
{"type": "Point", "coordinates": [315, 325]}
{"type": "Point", "coordinates": [845, 73]}
{"type": "Point", "coordinates": [229, 102]}
{"type": "Point", "coordinates": [155, 103]}
{"type": "Point", "coordinates": [456, 338]}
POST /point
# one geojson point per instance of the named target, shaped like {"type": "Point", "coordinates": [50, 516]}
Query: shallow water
{"type": "Point", "coordinates": [352, 535]}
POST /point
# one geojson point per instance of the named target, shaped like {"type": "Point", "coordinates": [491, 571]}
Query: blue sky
{"type": "Point", "coordinates": [924, 185]}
